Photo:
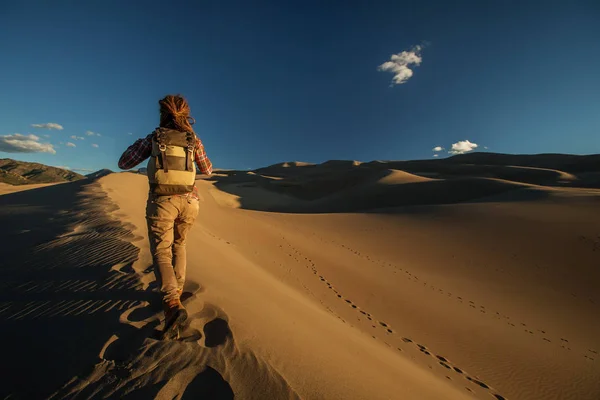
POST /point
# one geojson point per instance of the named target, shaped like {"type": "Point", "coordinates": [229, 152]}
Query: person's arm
{"type": "Point", "coordinates": [202, 160]}
{"type": "Point", "coordinates": [136, 153]}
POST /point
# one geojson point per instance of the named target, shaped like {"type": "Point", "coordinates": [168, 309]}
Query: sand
{"type": "Point", "coordinates": [6, 188]}
{"type": "Point", "coordinates": [455, 283]}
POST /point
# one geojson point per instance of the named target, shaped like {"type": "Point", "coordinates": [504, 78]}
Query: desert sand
{"type": "Point", "coordinates": [6, 188]}
{"type": "Point", "coordinates": [343, 280]}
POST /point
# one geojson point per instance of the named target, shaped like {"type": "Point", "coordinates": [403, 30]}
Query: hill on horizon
{"type": "Point", "coordinates": [563, 162]}
{"type": "Point", "coordinates": [23, 173]}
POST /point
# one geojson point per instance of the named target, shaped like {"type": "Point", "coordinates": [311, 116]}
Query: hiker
{"type": "Point", "coordinates": [173, 202]}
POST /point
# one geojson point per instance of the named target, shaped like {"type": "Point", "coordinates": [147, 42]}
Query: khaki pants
{"type": "Point", "coordinates": [170, 219]}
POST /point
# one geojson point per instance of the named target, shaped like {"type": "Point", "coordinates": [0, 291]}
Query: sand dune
{"type": "Point", "coordinates": [380, 283]}
{"type": "Point", "coordinates": [6, 188]}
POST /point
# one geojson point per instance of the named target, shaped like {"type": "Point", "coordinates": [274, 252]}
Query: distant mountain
{"type": "Point", "coordinates": [99, 174]}
{"type": "Point", "coordinates": [23, 173]}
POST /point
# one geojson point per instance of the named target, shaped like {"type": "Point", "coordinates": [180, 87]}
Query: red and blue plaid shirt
{"type": "Point", "coordinates": [142, 149]}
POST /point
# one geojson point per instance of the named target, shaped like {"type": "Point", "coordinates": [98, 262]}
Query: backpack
{"type": "Point", "coordinates": [171, 168]}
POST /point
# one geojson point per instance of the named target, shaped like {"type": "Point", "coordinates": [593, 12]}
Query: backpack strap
{"type": "Point", "coordinates": [162, 147]}
{"type": "Point", "coordinates": [191, 144]}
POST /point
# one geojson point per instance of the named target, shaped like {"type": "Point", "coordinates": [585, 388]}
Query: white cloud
{"type": "Point", "coordinates": [438, 148]}
{"type": "Point", "coordinates": [90, 133]}
{"type": "Point", "coordinates": [463, 146]}
{"type": "Point", "coordinates": [62, 167]}
{"type": "Point", "coordinates": [77, 137]}
{"type": "Point", "coordinates": [94, 145]}
{"type": "Point", "coordinates": [47, 136]}
{"type": "Point", "coordinates": [49, 125]}
{"type": "Point", "coordinates": [18, 143]}
{"type": "Point", "coordinates": [129, 133]}
{"type": "Point", "coordinates": [436, 155]}
{"type": "Point", "coordinates": [398, 65]}
{"type": "Point", "coordinates": [69, 144]}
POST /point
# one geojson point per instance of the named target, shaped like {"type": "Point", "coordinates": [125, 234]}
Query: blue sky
{"type": "Point", "coordinates": [306, 80]}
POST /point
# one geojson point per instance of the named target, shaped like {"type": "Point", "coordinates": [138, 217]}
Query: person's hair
{"type": "Point", "coordinates": [175, 113]}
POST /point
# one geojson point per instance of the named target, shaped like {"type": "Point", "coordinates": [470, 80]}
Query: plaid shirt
{"type": "Point", "coordinates": [142, 149]}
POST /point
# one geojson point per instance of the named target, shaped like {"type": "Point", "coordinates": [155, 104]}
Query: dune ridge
{"type": "Point", "coordinates": [353, 186]}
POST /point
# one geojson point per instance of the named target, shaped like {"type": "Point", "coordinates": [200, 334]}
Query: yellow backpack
{"type": "Point", "coordinates": [171, 168]}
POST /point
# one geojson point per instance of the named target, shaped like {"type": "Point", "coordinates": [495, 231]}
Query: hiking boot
{"type": "Point", "coordinates": [175, 315]}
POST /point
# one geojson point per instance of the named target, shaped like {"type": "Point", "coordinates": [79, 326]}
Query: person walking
{"type": "Point", "coordinates": [174, 152]}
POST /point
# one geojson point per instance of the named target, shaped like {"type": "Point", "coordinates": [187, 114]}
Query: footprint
{"type": "Point", "coordinates": [216, 332]}
{"type": "Point", "coordinates": [475, 381]}
{"type": "Point", "coordinates": [445, 365]}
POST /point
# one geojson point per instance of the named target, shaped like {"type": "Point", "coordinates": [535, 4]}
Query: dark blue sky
{"type": "Point", "coordinates": [282, 81]}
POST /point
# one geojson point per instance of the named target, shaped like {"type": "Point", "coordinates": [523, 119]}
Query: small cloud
{"type": "Point", "coordinates": [398, 64]}
{"type": "Point", "coordinates": [436, 155]}
{"type": "Point", "coordinates": [18, 143]}
{"type": "Point", "coordinates": [94, 145]}
{"type": "Point", "coordinates": [77, 137]}
{"type": "Point", "coordinates": [49, 125]}
{"type": "Point", "coordinates": [485, 147]}
{"type": "Point", "coordinates": [463, 146]}
{"type": "Point", "coordinates": [97, 134]}
{"type": "Point", "coordinates": [129, 133]}
{"type": "Point", "coordinates": [69, 144]}
{"type": "Point", "coordinates": [438, 148]}
{"type": "Point", "coordinates": [62, 167]}
{"type": "Point", "coordinates": [90, 133]}
{"type": "Point", "coordinates": [47, 136]}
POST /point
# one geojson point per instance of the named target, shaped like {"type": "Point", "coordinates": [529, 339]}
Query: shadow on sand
{"type": "Point", "coordinates": [66, 278]}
